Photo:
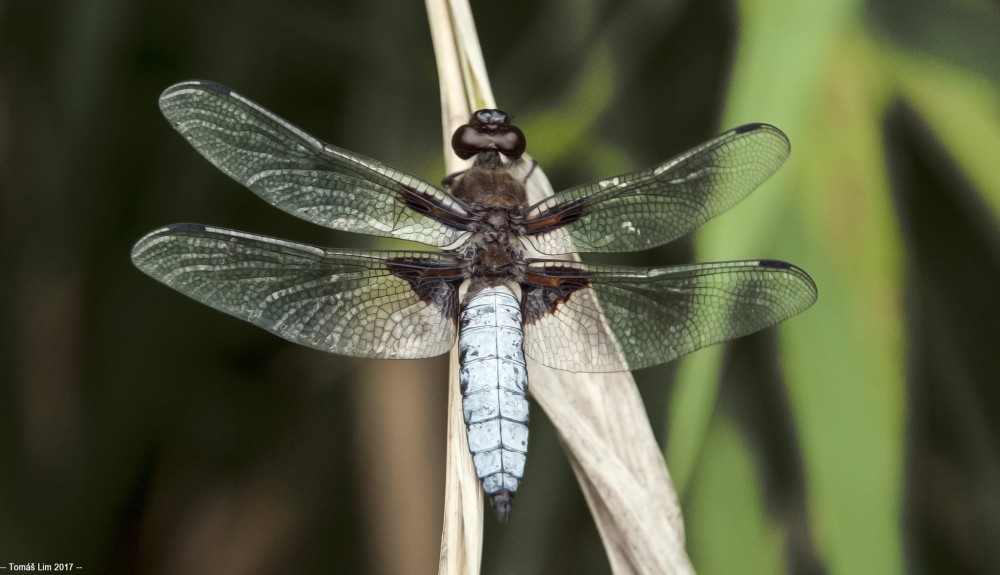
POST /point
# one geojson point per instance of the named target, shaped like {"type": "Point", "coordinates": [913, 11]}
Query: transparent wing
{"type": "Point", "coordinates": [644, 209]}
{"type": "Point", "coordinates": [395, 305]}
{"type": "Point", "coordinates": [615, 318]}
{"type": "Point", "coordinates": [305, 177]}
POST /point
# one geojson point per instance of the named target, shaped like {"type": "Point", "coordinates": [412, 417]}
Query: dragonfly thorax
{"type": "Point", "coordinates": [498, 260]}
{"type": "Point", "coordinates": [495, 188]}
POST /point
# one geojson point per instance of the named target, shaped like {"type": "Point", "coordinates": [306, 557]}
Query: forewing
{"type": "Point", "coordinates": [305, 177]}
{"type": "Point", "coordinates": [651, 207]}
{"type": "Point", "coordinates": [615, 318]}
{"type": "Point", "coordinates": [394, 305]}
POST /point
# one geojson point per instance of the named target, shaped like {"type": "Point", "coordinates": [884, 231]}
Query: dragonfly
{"type": "Point", "coordinates": [490, 283]}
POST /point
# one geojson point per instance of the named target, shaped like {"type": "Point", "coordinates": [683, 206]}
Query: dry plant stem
{"type": "Point", "coordinates": [600, 418]}
{"type": "Point", "coordinates": [619, 484]}
{"type": "Point", "coordinates": [462, 531]}
{"type": "Point", "coordinates": [604, 428]}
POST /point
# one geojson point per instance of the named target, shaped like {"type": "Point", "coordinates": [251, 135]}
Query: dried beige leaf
{"type": "Point", "coordinates": [599, 417]}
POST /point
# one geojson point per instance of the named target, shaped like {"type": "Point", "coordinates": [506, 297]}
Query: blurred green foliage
{"type": "Point", "coordinates": [141, 432]}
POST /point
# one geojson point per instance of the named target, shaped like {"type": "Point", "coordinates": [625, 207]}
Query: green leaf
{"type": "Point", "coordinates": [727, 527]}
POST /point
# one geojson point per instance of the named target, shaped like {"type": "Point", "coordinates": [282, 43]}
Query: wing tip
{"type": "Point", "coordinates": [755, 126]}
{"type": "Point", "coordinates": [214, 86]}
{"type": "Point", "coordinates": [188, 86]}
{"type": "Point", "coordinates": [779, 264]}
{"type": "Point", "coordinates": [795, 270]}
{"type": "Point", "coordinates": [207, 85]}
{"type": "Point", "coordinates": [144, 242]}
{"type": "Point", "coordinates": [751, 127]}
{"type": "Point", "coordinates": [184, 228]}
{"type": "Point", "coordinates": [763, 127]}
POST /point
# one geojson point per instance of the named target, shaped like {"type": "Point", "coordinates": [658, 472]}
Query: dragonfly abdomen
{"type": "Point", "coordinates": [494, 385]}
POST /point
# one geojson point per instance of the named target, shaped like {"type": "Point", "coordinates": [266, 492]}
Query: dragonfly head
{"type": "Point", "coordinates": [488, 130]}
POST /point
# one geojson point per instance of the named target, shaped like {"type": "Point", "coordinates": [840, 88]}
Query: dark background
{"type": "Point", "coordinates": [143, 433]}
